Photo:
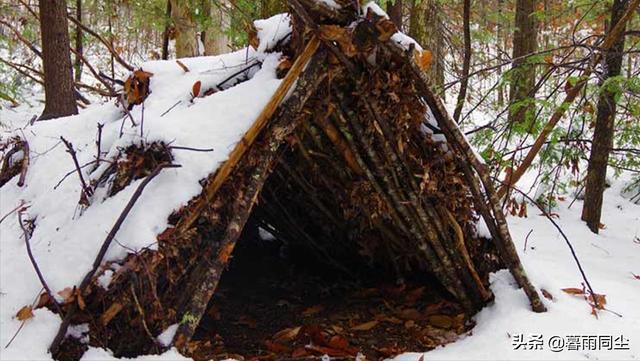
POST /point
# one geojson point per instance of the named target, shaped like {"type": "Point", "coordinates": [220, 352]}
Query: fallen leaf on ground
{"type": "Point", "coordinates": [441, 321]}
{"type": "Point", "coordinates": [25, 313]}
{"type": "Point", "coordinates": [313, 310]}
{"type": "Point", "coordinates": [287, 334]}
{"type": "Point", "coordinates": [365, 326]}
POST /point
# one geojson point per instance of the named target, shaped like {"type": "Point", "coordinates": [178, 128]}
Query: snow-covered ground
{"type": "Point", "coordinates": [64, 240]}
{"type": "Point", "coordinates": [610, 259]}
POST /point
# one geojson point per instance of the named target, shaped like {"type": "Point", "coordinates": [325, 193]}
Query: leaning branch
{"type": "Point", "coordinates": [35, 265]}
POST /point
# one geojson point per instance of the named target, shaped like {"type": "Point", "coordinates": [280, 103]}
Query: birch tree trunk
{"type": "Point", "coordinates": [185, 29]}
{"type": "Point", "coordinates": [215, 39]}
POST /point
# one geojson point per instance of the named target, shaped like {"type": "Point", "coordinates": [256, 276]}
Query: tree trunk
{"type": "Point", "coordinates": [78, 60]}
{"type": "Point", "coordinates": [425, 26]}
{"type": "Point", "coordinates": [466, 64]}
{"type": "Point", "coordinates": [499, 40]}
{"type": "Point", "coordinates": [523, 76]}
{"type": "Point", "coordinates": [604, 130]}
{"type": "Point", "coordinates": [165, 33]}
{"type": "Point", "coordinates": [215, 39]}
{"type": "Point", "coordinates": [185, 29]}
{"type": "Point", "coordinates": [395, 13]}
{"type": "Point", "coordinates": [60, 99]}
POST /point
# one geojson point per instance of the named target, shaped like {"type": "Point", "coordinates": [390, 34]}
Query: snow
{"type": "Point", "coordinates": [99, 354]}
{"type": "Point", "coordinates": [166, 336]}
{"type": "Point", "coordinates": [272, 30]}
{"type": "Point", "coordinates": [105, 279]}
{"type": "Point", "coordinates": [331, 4]}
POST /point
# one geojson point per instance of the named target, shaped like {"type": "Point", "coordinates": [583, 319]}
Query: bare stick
{"type": "Point", "coordinates": [21, 205]}
{"type": "Point", "coordinates": [177, 147]}
{"type": "Point", "coordinates": [98, 144]}
{"type": "Point", "coordinates": [168, 110]}
{"type": "Point", "coordinates": [142, 122]}
{"type": "Point", "coordinates": [85, 188]}
{"type": "Point", "coordinates": [62, 331]}
{"type": "Point", "coordinates": [35, 266]}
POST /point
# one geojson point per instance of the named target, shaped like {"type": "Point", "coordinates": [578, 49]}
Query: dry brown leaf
{"type": "Point", "coordinates": [338, 342]}
{"type": "Point", "coordinates": [225, 253]}
{"type": "Point", "coordinates": [410, 314]}
{"type": "Point", "coordinates": [573, 291]}
{"type": "Point", "coordinates": [287, 334]}
{"type": "Point", "coordinates": [67, 294]}
{"type": "Point", "coordinates": [25, 313]}
{"type": "Point", "coordinates": [441, 321]}
{"type": "Point", "coordinates": [423, 59]}
{"type": "Point", "coordinates": [80, 300]}
{"type": "Point", "coordinates": [195, 89]}
{"type": "Point", "coordinates": [299, 352]}
{"type": "Point", "coordinates": [546, 294]}
{"type": "Point", "coordinates": [365, 326]}
{"type": "Point", "coordinates": [313, 310]}
{"type": "Point", "coordinates": [43, 300]}
{"type": "Point", "coordinates": [110, 313]}
{"type": "Point", "coordinates": [386, 28]}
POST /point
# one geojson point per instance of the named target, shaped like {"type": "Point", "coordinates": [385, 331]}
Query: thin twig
{"type": "Point", "coordinates": [85, 188]}
{"type": "Point", "coordinates": [168, 110]}
{"type": "Point", "coordinates": [13, 210]}
{"type": "Point", "coordinates": [98, 144]}
{"type": "Point", "coordinates": [177, 147]}
{"type": "Point", "coordinates": [526, 239]}
{"type": "Point", "coordinates": [35, 266]}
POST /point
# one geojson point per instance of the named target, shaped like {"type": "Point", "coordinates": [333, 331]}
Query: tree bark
{"type": "Point", "coordinates": [523, 76]}
{"type": "Point", "coordinates": [60, 99]}
{"type": "Point", "coordinates": [79, 35]}
{"type": "Point", "coordinates": [165, 33]}
{"type": "Point", "coordinates": [466, 64]}
{"type": "Point", "coordinates": [185, 29]}
{"type": "Point", "coordinates": [395, 13]}
{"type": "Point", "coordinates": [604, 130]}
{"type": "Point", "coordinates": [215, 40]}
{"type": "Point", "coordinates": [425, 26]}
